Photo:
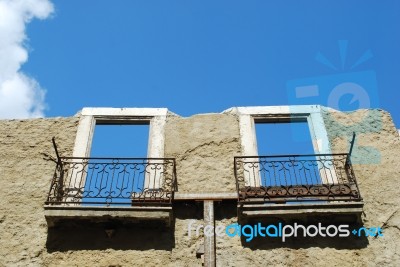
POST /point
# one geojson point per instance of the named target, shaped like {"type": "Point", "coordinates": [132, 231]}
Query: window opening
{"type": "Point", "coordinates": [289, 154]}
{"type": "Point", "coordinates": [117, 164]}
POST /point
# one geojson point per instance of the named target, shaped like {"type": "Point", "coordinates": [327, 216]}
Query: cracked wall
{"type": "Point", "coordinates": [376, 166]}
{"type": "Point", "coordinates": [204, 147]}
{"type": "Point", "coordinates": [26, 170]}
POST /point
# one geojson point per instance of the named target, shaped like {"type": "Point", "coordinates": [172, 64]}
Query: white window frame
{"type": "Point", "coordinates": [248, 116]}
{"type": "Point", "coordinates": [155, 117]}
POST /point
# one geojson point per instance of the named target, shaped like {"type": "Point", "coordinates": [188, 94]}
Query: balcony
{"type": "Point", "coordinates": [296, 185]}
{"type": "Point", "coordinates": [98, 189]}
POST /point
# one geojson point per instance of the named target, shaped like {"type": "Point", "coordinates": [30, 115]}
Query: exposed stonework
{"type": "Point", "coordinates": [204, 147]}
{"type": "Point", "coordinates": [379, 187]}
{"type": "Point", "coordinates": [26, 169]}
{"type": "Point", "coordinates": [376, 163]}
{"type": "Point", "coordinates": [25, 174]}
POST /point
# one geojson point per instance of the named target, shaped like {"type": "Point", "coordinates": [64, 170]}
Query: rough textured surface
{"type": "Point", "coordinates": [204, 147]}
{"type": "Point", "coordinates": [26, 169]}
{"type": "Point", "coordinates": [376, 166]}
{"type": "Point", "coordinates": [25, 174]}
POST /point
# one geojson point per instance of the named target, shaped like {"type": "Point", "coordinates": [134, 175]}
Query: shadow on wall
{"type": "Point", "coordinates": [114, 235]}
{"type": "Point", "coordinates": [193, 210]}
{"type": "Point", "coordinates": [301, 242]}
{"type": "Point", "coordinates": [188, 210]}
{"type": "Point", "coordinates": [86, 235]}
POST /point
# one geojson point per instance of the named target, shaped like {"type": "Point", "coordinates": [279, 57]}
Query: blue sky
{"type": "Point", "coordinates": [279, 139]}
{"type": "Point", "coordinates": [206, 56]}
{"type": "Point", "coordinates": [194, 57]}
{"type": "Point", "coordinates": [120, 141]}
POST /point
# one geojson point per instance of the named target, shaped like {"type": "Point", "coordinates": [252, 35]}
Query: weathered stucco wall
{"type": "Point", "coordinates": [204, 146]}
{"type": "Point", "coordinates": [87, 244]}
{"type": "Point", "coordinates": [376, 166]}
{"type": "Point", "coordinates": [25, 174]}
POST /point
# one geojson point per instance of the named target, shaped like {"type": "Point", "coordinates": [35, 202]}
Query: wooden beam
{"type": "Point", "coordinates": [209, 241]}
{"type": "Point", "coordinates": [205, 196]}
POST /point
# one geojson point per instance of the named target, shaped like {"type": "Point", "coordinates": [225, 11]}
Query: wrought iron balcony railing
{"type": "Point", "coordinates": [277, 179]}
{"type": "Point", "coordinates": [112, 181]}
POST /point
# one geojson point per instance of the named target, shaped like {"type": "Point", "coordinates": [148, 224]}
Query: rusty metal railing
{"type": "Point", "coordinates": [112, 181]}
{"type": "Point", "coordinates": [288, 178]}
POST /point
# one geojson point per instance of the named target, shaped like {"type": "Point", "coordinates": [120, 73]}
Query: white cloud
{"type": "Point", "coordinates": [20, 96]}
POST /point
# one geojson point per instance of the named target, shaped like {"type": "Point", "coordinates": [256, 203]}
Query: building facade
{"type": "Point", "coordinates": [203, 194]}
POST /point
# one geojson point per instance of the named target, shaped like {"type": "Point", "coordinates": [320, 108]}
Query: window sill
{"type": "Point", "coordinates": [343, 211]}
{"type": "Point", "coordinates": [56, 213]}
